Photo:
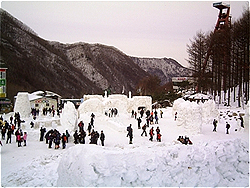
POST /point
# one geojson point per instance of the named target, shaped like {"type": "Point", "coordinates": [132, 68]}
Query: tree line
{"type": "Point", "coordinates": [227, 68]}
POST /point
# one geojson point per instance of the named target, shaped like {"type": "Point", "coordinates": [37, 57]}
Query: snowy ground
{"type": "Point", "coordinates": [214, 159]}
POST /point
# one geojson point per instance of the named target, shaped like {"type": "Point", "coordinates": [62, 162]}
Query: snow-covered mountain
{"type": "Point", "coordinates": [71, 70]}
{"type": "Point", "coordinates": [164, 68]}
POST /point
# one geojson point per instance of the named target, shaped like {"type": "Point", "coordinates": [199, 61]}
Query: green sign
{"type": "Point", "coordinates": [2, 82]}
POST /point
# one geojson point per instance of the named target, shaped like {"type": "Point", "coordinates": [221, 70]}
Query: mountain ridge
{"type": "Point", "coordinates": [70, 70]}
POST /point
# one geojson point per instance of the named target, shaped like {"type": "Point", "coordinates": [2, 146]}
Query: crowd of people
{"type": "Point", "coordinates": [150, 117]}
{"type": "Point", "coordinates": [13, 127]}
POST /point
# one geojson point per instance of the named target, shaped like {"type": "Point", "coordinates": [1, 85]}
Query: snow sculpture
{"type": "Point", "coordinates": [94, 105]}
{"type": "Point", "coordinates": [99, 104]}
{"type": "Point", "coordinates": [22, 104]}
{"type": "Point", "coordinates": [69, 116]}
{"type": "Point", "coordinates": [191, 115]}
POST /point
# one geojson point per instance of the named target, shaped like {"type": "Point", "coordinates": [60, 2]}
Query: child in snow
{"type": "Point", "coordinates": [24, 138]}
{"type": "Point", "coordinates": [19, 139]}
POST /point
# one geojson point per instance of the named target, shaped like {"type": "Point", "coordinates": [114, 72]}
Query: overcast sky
{"type": "Point", "coordinates": [141, 28]}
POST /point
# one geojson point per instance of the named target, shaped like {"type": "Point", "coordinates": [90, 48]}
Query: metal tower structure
{"type": "Point", "coordinates": [223, 23]}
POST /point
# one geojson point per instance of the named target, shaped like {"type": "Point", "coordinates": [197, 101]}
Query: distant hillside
{"type": "Point", "coordinates": [164, 68]}
{"type": "Point", "coordinates": [71, 70]}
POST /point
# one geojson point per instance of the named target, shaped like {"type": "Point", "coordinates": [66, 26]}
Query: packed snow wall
{"type": "Point", "coordinates": [191, 115]}
{"type": "Point", "coordinates": [22, 104]}
{"type": "Point", "coordinates": [213, 164]}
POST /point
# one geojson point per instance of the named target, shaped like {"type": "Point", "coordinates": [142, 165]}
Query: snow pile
{"type": "Point", "coordinates": [191, 115]}
{"type": "Point", "coordinates": [35, 173]}
{"type": "Point", "coordinates": [219, 163]}
{"type": "Point", "coordinates": [22, 104]}
{"type": "Point", "coordinates": [69, 116]}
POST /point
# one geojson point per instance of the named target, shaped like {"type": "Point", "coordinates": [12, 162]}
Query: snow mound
{"type": "Point", "coordinates": [69, 116]}
{"type": "Point", "coordinates": [22, 104]}
{"type": "Point", "coordinates": [218, 163]}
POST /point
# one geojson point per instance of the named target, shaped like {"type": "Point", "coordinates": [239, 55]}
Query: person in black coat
{"type": "Point", "coordinates": [102, 138]}
{"type": "Point", "coordinates": [9, 133]}
{"type": "Point", "coordinates": [42, 131]}
{"type": "Point", "coordinates": [144, 130]}
{"type": "Point", "coordinates": [215, 124]}
{"type": "Point", "coordinates": [227, 127]}
{"type": "Point", "coordinates": [139, 122]}
{"type": "Point", "coordinates": [130, 134]}
{"type": "Point", "coordinates": [76, 137]}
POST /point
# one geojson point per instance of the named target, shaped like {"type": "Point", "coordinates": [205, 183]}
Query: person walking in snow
{"type": "Point", "coordinates": [75, 135]}
{"type": "Point", "coordinates": [102, 138]}
{"type": "Point", "coordinates": [89, 128]}
{"type": "Point", "coordinates": [68, 135]}
{"type": "Point", "coordinates": [139, 122]}
{"type": "Point", "coordinates": [161, 113]}
{"type": "Point", "coordinates": [227, 127]}
{"type": "Point", "coordinates": [64, 140]}
{"type": "Point", "coordinates": [144, 130]}
{"type": "Point", "coordinates": [156, 119]}
{"type": "Point", "coordinates": [3, 132]}
{"type": "Point", "coordinates": [159, 137]}
{"type": "Point", "coordinates": [158, 134]}
{"type": "Point", "coordinates": [9, 133]}
{"type": "Point", "coordinates": [81, 126]}
{"type": "Point", "coordinates": [132, 113]}
{"type": "Point", "coordinates": [25, 138]}
{"type": "Point", "coordinates": [215, 125]}
{"type": "Point", "coordinates": [130, 134]}
{"type": "Point", "coordinates": [50, 138]}
{"type": "Point", "coordinates": [82, 136]}
{"type": "Point", "coordinates": [19, 139]}
{"type": "Point", "coordinates": [142, 112]}
{"type": "Point", "coordinates": [151, 134]}
{"type": "Point", "coordinates": [241, 122]}
{"type": "Point", "coordinates": [42, 131]}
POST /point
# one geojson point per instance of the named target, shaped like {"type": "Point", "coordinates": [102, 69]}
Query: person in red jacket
{"type": "Point", "coordinates": [151, 134]}
{"type": "Point", "coordinates": [24, 138]}
{"type": "Point", "coordinates": [159, 137]}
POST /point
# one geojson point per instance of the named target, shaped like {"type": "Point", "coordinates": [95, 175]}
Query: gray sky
{"type": "Point", "coordinates": [138, 28]}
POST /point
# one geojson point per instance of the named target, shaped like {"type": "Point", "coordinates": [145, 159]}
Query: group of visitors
{"type": "Point", "coordinates": [9, 127]}
{"type": "Point", "coordinates": [94, 135]}
{"type": "Point", "coordinates": [227, 125]}
{"type": "Point", "coordinates": [54, 136]}
{"type": "Point", "coordinates": [111, 112]}
{"type": "Point", "coordinates": [184, 140]}
{"type": "Point", "coordinates": [150, 117]}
